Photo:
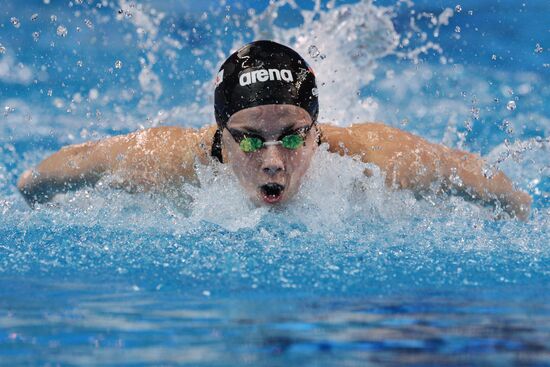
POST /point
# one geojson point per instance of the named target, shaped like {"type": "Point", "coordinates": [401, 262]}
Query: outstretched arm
{"type": "Point", "coordinates": [411, 162]}
{"type": "Point", "coordinates": [145, 160]}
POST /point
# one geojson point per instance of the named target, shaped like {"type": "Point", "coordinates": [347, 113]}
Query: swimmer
{"type": "Point", "coordinates": [266, 109]}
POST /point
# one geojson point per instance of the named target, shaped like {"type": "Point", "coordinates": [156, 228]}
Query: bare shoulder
{"type": "Point", "coordinates": [159, 156]}
{"type": "Point", "coordinates": [368, 140]}
{"type": "Point", "coordinates": [396, 152]}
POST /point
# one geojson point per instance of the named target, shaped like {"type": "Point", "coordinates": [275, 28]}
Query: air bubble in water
{"type": "Point", "coordinates": [46, 2]}
{"type": "Point", "coordinates": [78, 1]}
{"type": "Point", "coordinates": [34, 17]}
{"type": "Point", "coordinates": [35, 36]}
{"type": "Point", "coordinates": [458, 8]}
{"type": "Point", "coordinates": [53, 18]}
{"type": "Point", "coordinates": [88, 23]}
{"type": "Point", "coordinates": [79, 63]}
{"type": "Point", "coordinates": [16, 23]}
{"type": "Point", "coordinates": [538, 48]}
{"type": "Point", "coordinates": [511, 105]}
{"type": "Point", "coordinates": [493, 57]}
{"type": "Point", "coordinates": [118, 64]}
{"type": "Point", "coordinates": [62, 31]}
{"type": "Point", "coordinates": [457, 29]}
{"type": "Point", "coordinates": [2, 49]}
{"type": "Point", "coordinates": [50, 92]}
{"type": "Point", "coordinates": [470, 12]}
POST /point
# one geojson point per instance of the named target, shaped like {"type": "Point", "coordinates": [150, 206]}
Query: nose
{"type": "Point", "coordinates": [272, 161]}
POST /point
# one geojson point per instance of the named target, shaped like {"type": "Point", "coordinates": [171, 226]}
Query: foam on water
{"type": "Point", "coordinates": [344, 231]}
{"type": "Point", "coordinates": [343, 227]}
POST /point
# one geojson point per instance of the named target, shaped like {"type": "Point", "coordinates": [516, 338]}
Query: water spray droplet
{"type": "Point", "coordinates": [34, 17]}
{"type": "Point", "coordinates": [35, 36]}
{"type": "Point", "coordinates": [470, 12]}
{"type": "Point", "coordinates": [53, 18]}
{"type": "Point", "coordinates": [118, 64]}
{"type": "Point", "coordinates": [458, 8]}
{"type": "Point", "coordinates": [493, 57]}
{"type": "Point", "coordinates": [475, 113]}
{"type": "Point", "coordinates": [15, 22]}
{"type": "Point", "coordinates": [8, 110]}
{"type": "Point", "coordinates": [511, 105]}
{"type": "Point", "coordinates": [62, 31]}
{"type": "Point", "coordinates": [313, 51]}
{"type": "Point", "coordinates": [457, 29]}
{"type": "Point", "coordinates": [79, 63]}
{"type": "Point", "coordinates": [504, 125]}
{"type": "Point", "coordinates": [88, 23]}
{"type": "Point", "coordinates": [488, 172]}
{"type": "Point", "coordinates": [538, 48]}
{"type": "Point", "coordinates": [2, 49]}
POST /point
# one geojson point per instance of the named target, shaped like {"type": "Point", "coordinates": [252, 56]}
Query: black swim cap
{"type": "Point", "coordinates": [260, 73]}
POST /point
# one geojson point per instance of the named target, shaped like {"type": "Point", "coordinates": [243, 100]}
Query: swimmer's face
{"type": "Point", "coordinates": [273, 173]}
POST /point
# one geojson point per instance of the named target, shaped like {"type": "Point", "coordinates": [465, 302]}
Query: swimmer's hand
{"type": "Point", "coordinates": [517, 203]}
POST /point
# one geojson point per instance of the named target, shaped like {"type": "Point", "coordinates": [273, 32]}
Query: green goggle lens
{"type": "Point", "coordinates": [293, 141]}
{"type": "Point", "coordinates": [249, 145]}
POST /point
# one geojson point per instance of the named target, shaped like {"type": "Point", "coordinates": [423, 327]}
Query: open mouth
{"type": "Point", "coordinates": [272, 192]}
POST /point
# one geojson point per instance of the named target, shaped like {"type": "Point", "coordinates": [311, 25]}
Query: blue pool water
{"type": "Point", "coordinates": [350, 273]}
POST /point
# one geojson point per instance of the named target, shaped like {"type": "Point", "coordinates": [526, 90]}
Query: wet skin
{"type": "Point", "coordinates": [159, 159]}
{"type": "Point", "coordinates": [271, 165]}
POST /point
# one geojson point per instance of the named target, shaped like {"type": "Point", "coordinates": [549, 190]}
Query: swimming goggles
{"type": "Point", "coordinates": [250, 142]}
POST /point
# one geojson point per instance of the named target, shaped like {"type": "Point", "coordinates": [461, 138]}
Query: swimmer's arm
{"type": "Point", "coordinates": [151, 159]}
{"type": "Point", "coordinates": [411, 162]}
{"type": "Point", "coordinates": [70, 168]}
{"type": "Point", "coordinates": [463, 173]}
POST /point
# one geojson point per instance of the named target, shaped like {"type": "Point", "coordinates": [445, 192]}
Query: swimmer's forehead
{"type": "Point", "coordinates": [269, 117]}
